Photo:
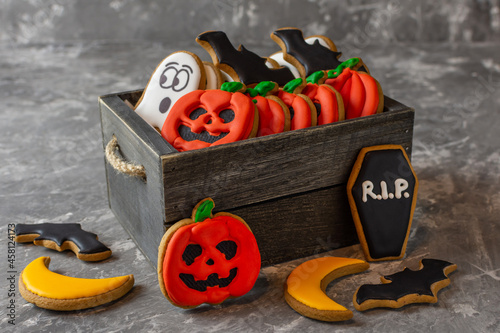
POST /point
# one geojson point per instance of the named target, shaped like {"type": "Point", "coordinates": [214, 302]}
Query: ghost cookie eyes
{"type": "Point", "coordinates": [178, 74]}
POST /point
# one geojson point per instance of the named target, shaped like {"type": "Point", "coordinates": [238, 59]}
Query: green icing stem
{"type": "Point", "coordinates": [315, 77]}
{"type": "Point", "coordinates": [292, 85]}
{"type": "Point", "coordinates": [204, 210]}
{"type": "Point", "coordinates": [261, 89]}
{"type": "Point", "coordinates": [349, 63]}
{"type": "Point", "coordinates": [231, 86]}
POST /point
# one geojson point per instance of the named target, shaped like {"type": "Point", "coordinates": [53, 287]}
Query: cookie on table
{"type": "Point", "coordinates": [382, 192]}
{"type": "Point", "coordinates": [240, 64]}
{"type": "Point", "coordinates": [305, 287]}
{"type": "Point", "coordinates": [53, 291]}
{"type": "Point", "coordinates": [406, 287]}
{"type": "Point", "coordinates": [178, 74]}
{"type": "Point", "coordinates": [207, 258]}
{"type": "Point", "coordinates": [61, 237]}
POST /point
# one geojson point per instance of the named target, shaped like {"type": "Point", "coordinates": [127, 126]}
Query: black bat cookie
{"type": "Point", "coordinates": [63, 236]}
{"type": "Point", "coordinates": [406, 287]}
{"type": "Point", "coordinates": [242, 64]}
{"type": "Point", "coordinates": [310, 57]}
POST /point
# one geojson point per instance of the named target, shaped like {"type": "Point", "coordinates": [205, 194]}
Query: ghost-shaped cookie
{"type": "Point", "coordinates": [178, 74]}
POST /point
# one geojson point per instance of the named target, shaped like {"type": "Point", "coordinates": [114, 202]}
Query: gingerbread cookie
{"type": "Point", "coordinates": [303, 113]}
{"type": "Point", "coordinates": [307, 58]}
{"type": "Point", "coordinates": [49, 290]}
{"type": "Point", "coordinates": [274, 116]}
{"type": "Point", "coordinates": [361, 93]}
{"type": "Point", "coordinates": [241, 65]}
{"type": "Point", "coordinates": [179, 73]}
{"type": "Point", "coordinates": [382, 193]}
{"type": "Point", "coordinates": [61, 237]}
{"type": "Point", "coordinates": [213, 75]}
{"type": "Point", "coordinates": [205, 118]}
{"type": "Point", "coordinates": [280, 60]}
{"type": "Point", "coordinates": [328, 101]}
{"type": "Point", "coordinates": [305, 287]}
{"type": "Point", "coordinates": [207, 258]}
{"type": "Point", "coordinates": [406, 287]}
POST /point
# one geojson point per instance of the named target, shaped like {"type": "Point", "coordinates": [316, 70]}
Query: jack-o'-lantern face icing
{"type": "Point", "coordinates": [207, 258]}
{"type": "Point", "coordinates": [206, 118]}
{"type": "Point", "coordinates": [177, 75]}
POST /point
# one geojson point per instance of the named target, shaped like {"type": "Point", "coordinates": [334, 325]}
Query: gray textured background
{"type": "Point", "coordinates": [442, 58]}
{"type": "Point", "coordinates": [349, 22]}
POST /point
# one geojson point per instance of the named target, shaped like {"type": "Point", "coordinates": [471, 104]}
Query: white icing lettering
{"type": "Point", "coordinates": [400, 185]}
{"type": "Point", "coordinates": [368, 190]}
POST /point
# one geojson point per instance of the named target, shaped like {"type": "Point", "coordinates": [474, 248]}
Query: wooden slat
{"type": "Point", "coordinates": [138, 204]}
{"type": "Point", "coordinates": [261, 169]}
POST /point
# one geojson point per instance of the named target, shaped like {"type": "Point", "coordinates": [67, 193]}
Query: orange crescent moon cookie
{"type": "Point", "coordinates": [49, 290]}
{"type": "Point", "coordinates": [305, 287]}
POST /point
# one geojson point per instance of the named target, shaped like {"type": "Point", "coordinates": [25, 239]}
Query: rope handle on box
{"type": "Point", "coordinates": [119, 164]}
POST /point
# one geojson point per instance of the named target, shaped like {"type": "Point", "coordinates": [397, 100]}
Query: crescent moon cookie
{"type": "Point", "coordinates": [49, 290]}
{"type": "Point", "coordinates": [178, 74]}
{"type": "Point", "coordinates": [61, 237]}
{"type": "Point", "coordinates": [305, 287]}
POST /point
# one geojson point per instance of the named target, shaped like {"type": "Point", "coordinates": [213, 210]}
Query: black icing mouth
{"type": "Point", "coordinates": [212, 280]}
{"type": "Point", "coordinates": [186, 134]}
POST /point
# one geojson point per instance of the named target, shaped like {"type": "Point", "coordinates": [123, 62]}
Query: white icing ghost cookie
{"type": "Point", "coordinates": [178, 74]}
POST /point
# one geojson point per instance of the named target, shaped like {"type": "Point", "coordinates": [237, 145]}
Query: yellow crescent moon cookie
{"type": "Point", "coordinates": [305, 287]}
{"type": "Point", "coordinates": [49, 290]}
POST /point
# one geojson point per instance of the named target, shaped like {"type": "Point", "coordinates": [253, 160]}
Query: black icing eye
{"type": "Point", "coordinates": [197, 113]}
{"type": "Point", "coordinates": [227, 115]}
{"type": "Point", "coordinates": [181, 80]}
{"type": "Point", "coordinates": [228, 248]}
{"type": "Point", "coordinates": [167, 78]}
{"type": "Point", "coordinates": [190, 253]}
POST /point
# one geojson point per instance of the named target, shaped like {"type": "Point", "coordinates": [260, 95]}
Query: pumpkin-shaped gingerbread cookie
{"type": "Point", "coordinates": [205, 118]}
{"type": "Point", "coordinates": [274, 116]}
{"type": "Point", "coordinates": [327, 100]}
{"type": "Point", "coordinates": [361, 93]}
{"type": "Point", "coordinates": [302, 110]}
{"type": "Point", "coordinates": [207, 258]}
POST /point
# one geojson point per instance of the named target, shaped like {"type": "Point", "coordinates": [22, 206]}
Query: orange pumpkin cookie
{"type": "Point", "coordinates": [205, 118]}
{"type": "Point", "coordinates": [361, 93]}
{"type": "Point", "coordinates": [303, 113]}
{"type": "Point", "coordinates": [207, 258]}
{"type": "Point", "coordinates": [274, 116]}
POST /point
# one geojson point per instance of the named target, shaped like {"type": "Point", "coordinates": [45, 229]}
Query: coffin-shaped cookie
{"type": "Point", "coordinates": [382, 192]}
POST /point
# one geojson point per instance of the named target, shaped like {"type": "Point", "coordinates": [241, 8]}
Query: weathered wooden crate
{"type": "Point", "coordinates": [289, 187]}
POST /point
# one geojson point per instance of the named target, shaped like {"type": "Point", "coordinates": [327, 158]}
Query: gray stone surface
{"type": "Point", "coordinates": [52, 170]}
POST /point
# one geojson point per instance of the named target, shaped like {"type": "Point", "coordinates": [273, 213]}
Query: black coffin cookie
{"type": "Point", "coordinates": [382, 192]}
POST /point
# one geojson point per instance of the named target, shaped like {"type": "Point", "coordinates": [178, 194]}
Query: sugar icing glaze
{"type": "Point", "coordinates": [179, 73]}
{"type": "Point", "coordinates": [309, 280]}
{"type": "Point", "coordinates": [39, 280]}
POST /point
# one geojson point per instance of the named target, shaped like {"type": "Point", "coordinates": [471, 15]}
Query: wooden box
{"type": "Point", "coordinates": [290, 187]}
